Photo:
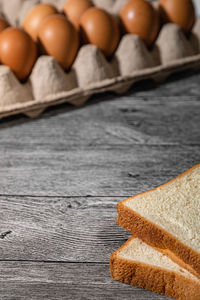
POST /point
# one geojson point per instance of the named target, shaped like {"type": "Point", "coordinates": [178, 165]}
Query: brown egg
{"type": "Point", "coordinates": [36, 16]}
{"type": "Point", "coordinates": [101, 29]}
{"type": "Point", "coordinates": [180, 12]}
{"type": "Point", "coordinates": [141, 18]}
{"type": "Point", "coordinates": [3, 24]}
{"type": "Point", "coordinates": [17, 51]}
{"type": "Point", "coordinates": [74, 9]}
{"type": "Point", "coordinates": [59, 38]}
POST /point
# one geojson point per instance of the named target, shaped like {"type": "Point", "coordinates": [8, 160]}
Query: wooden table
{"type": "Point", "coordinates": [62, 175]}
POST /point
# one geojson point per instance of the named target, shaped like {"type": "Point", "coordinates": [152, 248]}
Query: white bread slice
{"type": "Point", "coordinates": [168, 218]}
{"type": "Point", "coordinates": [140, 265]}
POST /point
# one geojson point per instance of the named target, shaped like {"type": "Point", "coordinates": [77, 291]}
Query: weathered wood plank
{"type": "Point", "coordinates": [101, 149]}
{"type": "Point", "coordinates": [25, 280]}
{"type": "Point", "coordinates": [59, 229]}
{"type": "Point", "coordinates": [109, 121]}
{"type": "Point", "coordinates": [121, 171]}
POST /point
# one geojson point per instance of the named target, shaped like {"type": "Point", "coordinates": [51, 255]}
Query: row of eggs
{"type": "Point", "coordinates": [46, 31]}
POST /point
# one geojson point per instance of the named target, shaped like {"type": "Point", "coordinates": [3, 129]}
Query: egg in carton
{"type": "Point", "coordinates": [49, 85]}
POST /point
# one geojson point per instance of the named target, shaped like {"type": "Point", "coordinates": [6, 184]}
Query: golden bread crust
{"type": "Point", "coordinates": [157, 237]}
{"type": "Point", "coordinates": [153, 278]}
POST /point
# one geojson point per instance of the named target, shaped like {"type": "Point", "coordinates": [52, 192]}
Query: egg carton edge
{"type": "Point", "coordinates": [120, 85]}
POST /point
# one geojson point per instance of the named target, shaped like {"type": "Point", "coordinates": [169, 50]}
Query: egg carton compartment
{"type": "Point", "coordinates": [91, 72]}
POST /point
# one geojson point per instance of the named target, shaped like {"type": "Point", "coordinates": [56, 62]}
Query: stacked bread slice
{"type": "Point", "coordinates": [164, 254]}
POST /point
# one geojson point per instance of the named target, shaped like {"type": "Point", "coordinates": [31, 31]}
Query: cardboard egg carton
{"type": "Point", "coordinates": [91, 73]}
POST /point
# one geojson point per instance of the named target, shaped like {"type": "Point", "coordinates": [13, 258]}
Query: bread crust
{"type": "Point", "coordinates": [153, 278]}
{"type": "Point", "coordinates": [157, 237]}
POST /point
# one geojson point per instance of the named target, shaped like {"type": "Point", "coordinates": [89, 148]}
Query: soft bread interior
{"type": "Point", "coordinates": [137, 251]}
{"type": "Point", "coordinates": [174, 207]}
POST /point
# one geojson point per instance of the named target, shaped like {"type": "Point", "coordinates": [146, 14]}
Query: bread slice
{"type": "Point", "coordinates": [168, 218]}
{"type": "Point", "coordinates": [140, 265]}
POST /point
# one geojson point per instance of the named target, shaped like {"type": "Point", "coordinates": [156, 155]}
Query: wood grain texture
{"type": "Point", "coordinates": [26, 280]}
{"type": "Point", "coordinates": [59, 229]}
{"type": "Point", "coordinates": [108, 148]}
{"type": "Point", "coordinates": [107, 121]}
{"type": "Point", "coordinates": [121, 171]}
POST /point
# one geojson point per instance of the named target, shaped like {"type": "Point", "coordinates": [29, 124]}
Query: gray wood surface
{"type": "Point", "coordinates": [61, 176]}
